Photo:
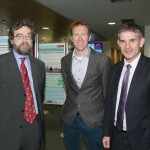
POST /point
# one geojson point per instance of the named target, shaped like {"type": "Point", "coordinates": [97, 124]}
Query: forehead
{"type": "Point", "coordinates": [80, 28]}
{"type": "Point", "coordinates": [23, 30]}
{"type": "Point", "coordinates": [128, 35]}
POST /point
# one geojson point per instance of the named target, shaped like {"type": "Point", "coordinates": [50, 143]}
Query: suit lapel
{"type": "Point", "coordinates": [14, 69]}
{"type": "Point", "coordinates": [34, 72]}
{"type": "Point", "coordinates": [136, 77]}
{"type": "Point", "coordinates": [117, 76]}
{"type": "Point", "coordinates": [116, 79]}
{"type": "Point", "coordinates": [89, 67]}
{"type": "Point", "coordinates": [69, 68]}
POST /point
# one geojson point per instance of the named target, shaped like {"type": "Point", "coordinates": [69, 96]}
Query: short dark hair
{"type": "Point", "coordinates": [131, 27]}
{"type": "Point", "coordinates": [78, 23]}
{"type": "Point", "coordinates": [18, 24]}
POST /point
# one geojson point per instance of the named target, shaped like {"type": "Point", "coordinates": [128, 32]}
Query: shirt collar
{"type": "Point", "coordinates": [87, 54]}
{"type": "Point", "coordinates": [134, 62]}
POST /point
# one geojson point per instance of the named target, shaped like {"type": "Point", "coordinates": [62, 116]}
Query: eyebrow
{"type": "Point", "coordinates": [22, 34]}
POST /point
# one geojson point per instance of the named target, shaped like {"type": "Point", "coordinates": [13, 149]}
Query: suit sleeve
{"type": "Point", "coordinates": [108, 114]}
{"type": "Point", "coordinates": [64, 74]}
{"type": "Point", "coordinates": [106, 71]}
{"type": "Point", "coordinates": [43, 81]}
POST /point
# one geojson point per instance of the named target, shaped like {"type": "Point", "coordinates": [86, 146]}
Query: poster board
{"type": "Point", "coordinates": [5, 47]}
{"type": "Point", "coordinates": [54, 90]}
{"type": "Point", "coordinates": [51, 54]}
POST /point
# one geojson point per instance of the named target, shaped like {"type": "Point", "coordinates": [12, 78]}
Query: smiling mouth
{"type": "Point", "coordinates": [80, 43]}
{"type": "Point", "coordinates": [128, 51]}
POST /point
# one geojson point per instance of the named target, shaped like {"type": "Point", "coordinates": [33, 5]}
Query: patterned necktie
{"type": "Point", "coordinates": [29, 112]}
{"type": "Point", "coordinates": [123, 99]}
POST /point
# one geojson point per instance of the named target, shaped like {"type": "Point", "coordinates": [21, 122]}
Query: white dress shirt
{"type": "Point", "coordinates": [79, 67]}
{"type": "Point", "coordinates": [132, 70]}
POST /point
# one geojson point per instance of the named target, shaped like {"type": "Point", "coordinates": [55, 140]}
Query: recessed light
{"type": "Point", "coordinates": [117, 1]}
{"type": "Point", "coordinates": [111, 23]}
{"type": "Point", "coordinates": [45, 28]}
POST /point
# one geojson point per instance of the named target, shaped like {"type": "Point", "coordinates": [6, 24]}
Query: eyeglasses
{"type": "Point", "coordinates": [21, 37]}
{"type": "Point", "coordinates": [83, 35]}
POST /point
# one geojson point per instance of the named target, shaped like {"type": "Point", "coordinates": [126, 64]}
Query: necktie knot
{"type": "Point", "coordinates": [128, 66]}
{"type": "Point", "coordinates": [23, 59]}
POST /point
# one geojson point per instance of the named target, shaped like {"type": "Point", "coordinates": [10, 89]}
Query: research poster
{"type": "Point", "coordinates": [54, 91]}
{"type": "Point", "coordinates": [51, 54]}
{"type": "Point", "coordinates": [4, 45]}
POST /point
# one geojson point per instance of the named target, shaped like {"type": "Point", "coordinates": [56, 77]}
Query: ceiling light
{"type": "Point", "coordinates": [111, 23]}
{"type": "Point", "coordinates": [45, 28]}
{"type": "Point", "coordinates": [117, 1]}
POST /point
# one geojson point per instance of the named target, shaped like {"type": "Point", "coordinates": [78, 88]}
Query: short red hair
{"type": "Point", "coordinates": [78, 23]}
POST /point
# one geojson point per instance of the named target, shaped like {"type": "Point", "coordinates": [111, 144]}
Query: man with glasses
{"type": "Point", "coordinates": [22, 82]}
{"type": "Point", "coordinates": [85, 74]}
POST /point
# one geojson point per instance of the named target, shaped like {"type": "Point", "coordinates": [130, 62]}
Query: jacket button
{"type": "Point", "coordinates": [21, 126]}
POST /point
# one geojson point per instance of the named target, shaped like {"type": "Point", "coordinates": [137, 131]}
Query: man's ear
{"type": "Point", "coordinates": [118, 42]}
{"type": "Point", "coordinates": [89, 37]}
{"type": "Point", "coordinates": [11, 41]}
{"type": "Point", "coordinates": [142, 41]}
{"type": "Point", "coordinates": [71, 39]}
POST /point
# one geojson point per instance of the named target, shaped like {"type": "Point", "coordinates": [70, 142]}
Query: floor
{"type": "Point", "coordinates": [54, 135]}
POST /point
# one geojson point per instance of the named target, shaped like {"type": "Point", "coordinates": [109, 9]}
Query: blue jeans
{"type": "Point", "coordinates": [74, 132]}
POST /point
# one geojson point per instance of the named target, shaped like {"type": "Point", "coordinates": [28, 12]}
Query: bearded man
{"type": "Point", "coordinates": [22, 82]}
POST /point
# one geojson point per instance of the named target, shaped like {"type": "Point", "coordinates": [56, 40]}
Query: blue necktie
{"type": "Point", "coordinates": [123, 99]}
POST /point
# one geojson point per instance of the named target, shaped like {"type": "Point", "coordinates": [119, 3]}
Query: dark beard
{"type": "Point", "coordinates": [23, 49]}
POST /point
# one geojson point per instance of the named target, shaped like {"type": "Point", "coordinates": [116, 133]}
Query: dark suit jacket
{"type": "Point", "coordinates": [12, 99]}
{"type": "Point", "coordinates": [137, 106]}
{"type": "Point", "coordinates": [89, 99]}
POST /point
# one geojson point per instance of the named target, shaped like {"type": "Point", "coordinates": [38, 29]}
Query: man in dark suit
{"type": "Point", "coordinates": [21, 126]}
{"type": "Point", "coordinates": [85, 74]}
{"type": "Point", "coordinates": [127, 118]}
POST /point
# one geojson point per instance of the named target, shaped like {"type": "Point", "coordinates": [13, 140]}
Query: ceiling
{"type": "Point", "coordinates": [97, 13]}
{"type": "Point", "coordinates": [11, 10]}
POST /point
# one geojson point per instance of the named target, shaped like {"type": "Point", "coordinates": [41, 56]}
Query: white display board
{"type": "Point", "coordinates": [4, 45]}
{"type": "Point", "coordinates": [51, 54]}
{"type": "Point", "coordinates": [54, 91]}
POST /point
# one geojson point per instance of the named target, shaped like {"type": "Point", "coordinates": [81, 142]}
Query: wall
{"type": "Point", "coordinates": [147, 41]}
{"type": "Point", "coordinates": [106, 48]}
